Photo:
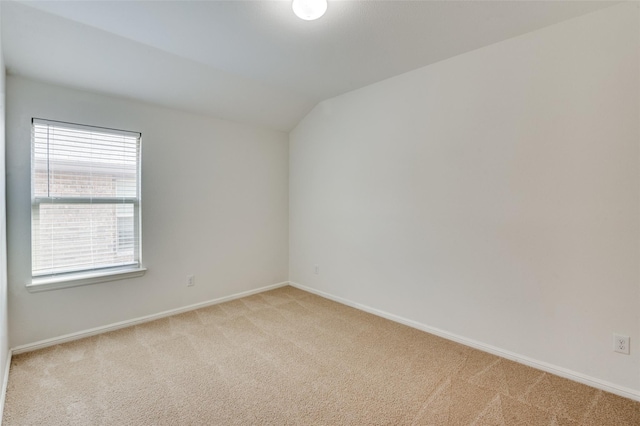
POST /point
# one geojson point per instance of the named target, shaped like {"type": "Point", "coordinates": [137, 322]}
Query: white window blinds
{"type": "Point", "coordinates": [85, 198]}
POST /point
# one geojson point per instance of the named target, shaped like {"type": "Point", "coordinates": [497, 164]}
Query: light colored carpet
{"type": "Point", "coordinates": [287, 357]}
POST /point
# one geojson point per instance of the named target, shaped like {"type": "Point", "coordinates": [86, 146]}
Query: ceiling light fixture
{"type": "Point", "coordinates": [309, 9]}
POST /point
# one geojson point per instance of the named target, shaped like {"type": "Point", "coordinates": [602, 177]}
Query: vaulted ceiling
{"type": "Point", "coordinates": [252, 61]}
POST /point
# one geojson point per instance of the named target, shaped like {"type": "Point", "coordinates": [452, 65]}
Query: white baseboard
{"type": "Point", "coordinates": [540, 365]}
{"type": "Point", "coordinates": [128, 323]}
{"type": "Point", "coordinates": [5, 383]}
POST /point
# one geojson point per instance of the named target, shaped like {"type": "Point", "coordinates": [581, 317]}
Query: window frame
{"type": "Point", "coordinates": [75, 277]}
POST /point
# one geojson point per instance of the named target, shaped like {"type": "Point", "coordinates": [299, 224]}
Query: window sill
{"type": "Point", "coordinates": [80, 279]}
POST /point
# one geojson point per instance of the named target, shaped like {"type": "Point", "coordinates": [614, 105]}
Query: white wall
{"type": "Point", "coordinates": [214, 204]}
{"type": "Point", "coordinates": [4, 338]}
{"type": "Point", "coordinates": [494, 195]}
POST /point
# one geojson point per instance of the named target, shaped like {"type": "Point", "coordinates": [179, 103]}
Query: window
{"type": "Point", "coordinates": [85, 211]}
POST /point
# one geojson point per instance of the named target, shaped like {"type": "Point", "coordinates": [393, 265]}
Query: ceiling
{"type": "Point", "coordinates": [252, 61]}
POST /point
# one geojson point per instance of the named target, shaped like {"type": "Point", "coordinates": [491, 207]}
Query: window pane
{"type": "Point", "coordinates": [73, 162]}
{"type": "Point", "coordinates": [80, 237]}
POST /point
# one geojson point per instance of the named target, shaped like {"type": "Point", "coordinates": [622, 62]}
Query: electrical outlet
{"type": "Point", "coordinates": [316, 270]}
{"type": "Point", "coordinates": [621, 344]}
{"type": "Point", "coordinates": [191, 280]}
